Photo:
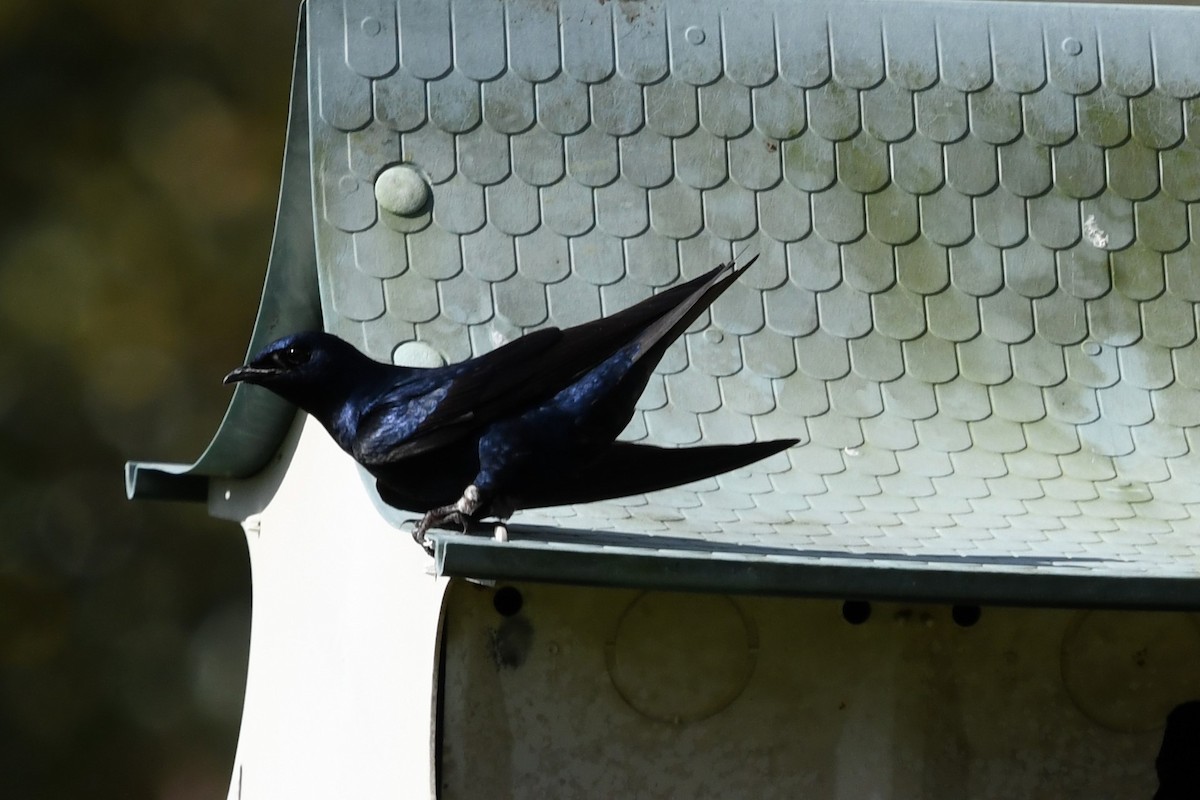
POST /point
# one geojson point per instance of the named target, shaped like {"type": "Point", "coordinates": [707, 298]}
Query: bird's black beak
{"type": "Point", "coordinates": [247, 374]}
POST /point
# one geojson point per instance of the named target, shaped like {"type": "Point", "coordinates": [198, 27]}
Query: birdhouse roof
{"type": "Point", "coordinates": [976, 301]}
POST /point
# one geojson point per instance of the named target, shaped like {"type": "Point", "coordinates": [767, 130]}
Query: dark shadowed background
{"type": "Point", "coordinates": [140, 148]}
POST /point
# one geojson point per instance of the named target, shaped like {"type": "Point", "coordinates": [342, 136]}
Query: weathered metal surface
{"type": "Point", "coordinates": [976, 297]}
{"type": "Point", "coordinates": [608, 693]}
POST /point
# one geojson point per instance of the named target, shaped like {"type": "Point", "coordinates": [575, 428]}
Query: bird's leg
{"type": "Point", "coordinates": [470, 502]}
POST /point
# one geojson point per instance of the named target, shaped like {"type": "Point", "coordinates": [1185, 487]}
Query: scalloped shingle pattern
{"type": "Point", "coordinates": [976, 301]}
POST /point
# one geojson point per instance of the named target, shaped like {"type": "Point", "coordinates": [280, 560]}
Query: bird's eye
{"type": "Point", "coordinates": [293, 356]}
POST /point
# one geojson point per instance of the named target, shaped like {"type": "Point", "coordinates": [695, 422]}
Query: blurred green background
{"type": "Point", "coordinates": [139, 154]}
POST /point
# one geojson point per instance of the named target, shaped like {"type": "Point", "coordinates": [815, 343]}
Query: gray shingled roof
{"type": "Point", "coordinates": [976, 301]}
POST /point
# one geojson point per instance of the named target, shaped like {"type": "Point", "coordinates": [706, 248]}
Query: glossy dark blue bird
{"type": "Point", "coordinates": [528, 425]}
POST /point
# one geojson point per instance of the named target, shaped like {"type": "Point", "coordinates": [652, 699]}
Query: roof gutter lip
{"type": "Point", "coordinates": [256, 422]}
{"type": "Point", "coordinates": [536, 555]}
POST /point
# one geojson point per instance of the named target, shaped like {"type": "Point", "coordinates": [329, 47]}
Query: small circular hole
{"type": "Point", "coordinates": [965, 616]}
{"type": "Point", "coordinates": [508, 601]}
{"type": "Point", "coordinates": [856, 612]}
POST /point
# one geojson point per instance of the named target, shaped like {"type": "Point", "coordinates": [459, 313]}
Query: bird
{"type": "Point", "coordinates": [531, 424]}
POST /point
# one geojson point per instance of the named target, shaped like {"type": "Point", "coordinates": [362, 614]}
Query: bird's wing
{"type": "Point", "coordinates": [627, 469]}
{"type": "Point", "coordinates": [653, 340]}
{"type": "Point", "coordinates": [648, 321]}
{"type": "Point", "coordinates": [526, 371]}
{"type": "Point", "coordinates": [399, 424]}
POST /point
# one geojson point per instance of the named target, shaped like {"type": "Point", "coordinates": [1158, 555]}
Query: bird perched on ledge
{"type": "Point", "coordinates": [531, 424]}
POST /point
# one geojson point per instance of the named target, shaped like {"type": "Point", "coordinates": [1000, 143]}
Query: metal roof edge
{"type": "Point", "coordinates": [616, 560]}
{"type": "Point", "coordinates": [256, 422]}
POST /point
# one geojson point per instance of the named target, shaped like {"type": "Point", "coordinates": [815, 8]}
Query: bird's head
{"type": "Point", "coordinates": [300, 367]}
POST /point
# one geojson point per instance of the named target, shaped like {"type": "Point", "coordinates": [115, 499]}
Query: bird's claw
{"type": "Point", "coordinates": [460, 513]}
{"type": "Point", "coordinates": [418, 534]}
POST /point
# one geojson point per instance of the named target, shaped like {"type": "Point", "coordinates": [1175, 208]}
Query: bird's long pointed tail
{"type": "Point", "coordinates": [628, 469]}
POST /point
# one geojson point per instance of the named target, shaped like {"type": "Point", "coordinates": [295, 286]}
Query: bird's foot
{"type": "Point", "coordinates": [461, 514]}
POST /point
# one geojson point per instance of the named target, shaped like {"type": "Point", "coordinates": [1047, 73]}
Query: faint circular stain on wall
{"type": "Point", "coordinates": [1125, 670]}
{"type": "Point", "coordinates": [681, 658]}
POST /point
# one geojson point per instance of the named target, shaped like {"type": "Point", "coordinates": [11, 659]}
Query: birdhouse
{"type": "Point", "coordinates": [975, 305]}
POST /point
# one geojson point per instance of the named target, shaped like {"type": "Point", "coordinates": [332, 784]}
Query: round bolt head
{"type": "Point", "coordinates": [401, 190]}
